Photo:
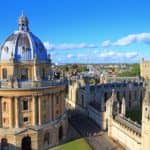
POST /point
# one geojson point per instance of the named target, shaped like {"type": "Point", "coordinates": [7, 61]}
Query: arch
{"type": "Point", "coordinates": [47, 138]}
{"type": "Point", "coordinates": [60, 132]}
{"type": "Point", "coordinates": [26, 143]}
{"type": "Point", "coordinates": [4, 144]}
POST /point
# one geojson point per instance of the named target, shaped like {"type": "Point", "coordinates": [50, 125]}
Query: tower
{"type": "Point", "coordinates": [32, 106]}
{"type": "Point", "coordinates": [146, 120]}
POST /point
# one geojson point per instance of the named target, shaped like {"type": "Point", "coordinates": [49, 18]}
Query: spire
{"type": "Point", "coordinates": [23, 23]}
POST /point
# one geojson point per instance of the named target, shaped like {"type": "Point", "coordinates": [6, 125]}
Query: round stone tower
{"type": "Point", "coordinates": [32, 106]}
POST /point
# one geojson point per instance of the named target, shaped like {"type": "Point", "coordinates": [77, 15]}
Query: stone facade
{"type": "Point", "coordinates": [32, 105]}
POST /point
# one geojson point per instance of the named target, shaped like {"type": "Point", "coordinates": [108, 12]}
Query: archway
{"type": "Point", "coordinates": [4, 144]}
{"type": "Point", "coordinates": [60, 132]}
{"type": "Point", "coordinates": [26, 143]}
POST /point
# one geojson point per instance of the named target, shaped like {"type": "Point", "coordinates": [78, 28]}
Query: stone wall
{"type": "Point", "coordinates": [128, 138]}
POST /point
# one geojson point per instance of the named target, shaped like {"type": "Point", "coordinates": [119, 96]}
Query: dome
{"type": "Point", "coordinates": [23, 45]}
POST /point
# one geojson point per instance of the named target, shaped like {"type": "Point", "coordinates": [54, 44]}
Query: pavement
{"type": "Point", "coordinates": [96, 138]}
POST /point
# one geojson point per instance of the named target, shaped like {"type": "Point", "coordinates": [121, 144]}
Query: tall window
{"type": "Point", "coordinates": [4, 73]}
{"type": "Point", "coordinates": [25, 105]}
{"type": "Point", "coordinates": [43, 73]}
{"type": "Point", "coordinates": [24, 74]}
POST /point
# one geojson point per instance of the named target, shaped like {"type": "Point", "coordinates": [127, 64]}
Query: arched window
{"type": "Point", "coordinates": [4, 73]}
{"type": "Point", "coordinates": [4, 144]}
{"type": "Point", "coordinates": [26, 143]}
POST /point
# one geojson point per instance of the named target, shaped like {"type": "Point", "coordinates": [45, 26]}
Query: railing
{"type": "Point", "coordinates": [30, 84]}
{"type": "Point", "coordinates": [129, 123]}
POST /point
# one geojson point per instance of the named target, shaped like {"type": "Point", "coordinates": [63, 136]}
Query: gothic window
{"type": "Point", "coordinates": [25, 105]}
{"type": "Point", "coordinates": [4, 73]}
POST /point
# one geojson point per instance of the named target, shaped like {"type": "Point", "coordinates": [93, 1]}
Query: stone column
{"type": "Point", "coordinates": [34, 110]}
{"type": "Point", "coordinates": [40, 110]}
{"type": "Point", "coordinates": [62, 101]}
{"type": "Point", "coordinates": [0, 112]}
{"type": "Point", "coordinates": [11, 112]}
{"type": "Point", "coordinates": [54, 102]}
{"type": "Point", "coordinates": [16, 112]}
{"type": "Point", "coordinates": [50, 107]}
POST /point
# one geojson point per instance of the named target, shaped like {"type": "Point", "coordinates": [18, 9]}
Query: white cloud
{"type": "Point", "coordinates": [130, 39]}
{"type": "Point", "coordinates": [67, 46]}
{"type": "Point", "coordinates": [118, 55]}
{"type": "Point", "coordinates": [69, 56]}
{"type": "Point", "coordinates": [106, 43]}
{"type": "Point", "coordinates": [49, 46]}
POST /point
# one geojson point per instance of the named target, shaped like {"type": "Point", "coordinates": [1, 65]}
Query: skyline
{"type": "Point", "coordinates": [77, 32]}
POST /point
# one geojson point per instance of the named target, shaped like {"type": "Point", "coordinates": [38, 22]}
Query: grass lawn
{"type": "Point", "coordinates": [79, 144]}
{"type": "Point", "coordinates": [135, 115]}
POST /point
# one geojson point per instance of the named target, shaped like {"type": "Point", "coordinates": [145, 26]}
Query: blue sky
{"type": "Point", "coordinates": [84, 31]}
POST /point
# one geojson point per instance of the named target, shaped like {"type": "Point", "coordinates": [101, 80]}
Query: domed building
{"type": "Point", "coordinates": [32, 103]}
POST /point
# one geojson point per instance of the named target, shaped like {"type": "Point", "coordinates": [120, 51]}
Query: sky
{"type": "Point", "coordinates": [84, 31]}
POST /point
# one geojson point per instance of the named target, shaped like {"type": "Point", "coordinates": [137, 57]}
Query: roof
{"type": "Point", "coordinates": [23, 44]}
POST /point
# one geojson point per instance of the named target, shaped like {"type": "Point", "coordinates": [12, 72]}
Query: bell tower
{"type": "Point", "coordinates": [146, 120]}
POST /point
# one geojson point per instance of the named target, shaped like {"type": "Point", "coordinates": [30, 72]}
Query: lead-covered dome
{"type": "Point", "coordinates": [23, 45]}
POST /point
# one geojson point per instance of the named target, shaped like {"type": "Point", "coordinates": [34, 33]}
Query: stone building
{"type": "Point", "coordinates": [87, 97]}
{"type": "Point", "coordinates": [107, 104]}
{"type": "Point", "coordinates": [32, 105]}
